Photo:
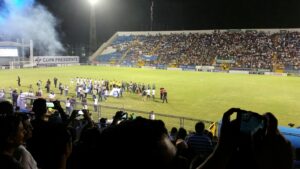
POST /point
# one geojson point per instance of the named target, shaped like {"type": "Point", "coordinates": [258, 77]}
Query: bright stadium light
{"type": "Point", "coordinates": [93, 2]}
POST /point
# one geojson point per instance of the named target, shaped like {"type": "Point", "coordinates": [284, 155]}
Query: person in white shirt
{"type": "Point", "coordinates": [96, 104]}
{"type": "Point", "coordinates": [78, 91]}
{"type": "Point", "coordinates": [153, 94]}
{"type": "Point", "coordinates": [66, 90]}
{"type": "Point", "coordinates": [68, 106]}
{"type": "Point", "coordinates": [2, 94]}
{"type": "Point", "coordinates": [52, 95]}
{"type": "Point", "coordinates": [152, 115]}
{"type": "Point", "coordinates": [148, 92]}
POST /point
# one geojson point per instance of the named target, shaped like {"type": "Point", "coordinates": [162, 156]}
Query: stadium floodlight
{"type": "Point", "coordinates": [93, 34]}
{"type": "Point", "coordinates": [93, 2]}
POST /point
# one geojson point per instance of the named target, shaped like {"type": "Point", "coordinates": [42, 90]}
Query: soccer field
{"type": "Point", "coordinates": [197, 95]}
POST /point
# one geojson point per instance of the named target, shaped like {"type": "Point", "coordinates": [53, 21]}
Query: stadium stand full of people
{"type": "Point", "coordinates": [247, 49]}
{"type": "Point", "coordinates": [51, 139]}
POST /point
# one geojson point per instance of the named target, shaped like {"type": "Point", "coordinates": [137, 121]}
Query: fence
{"type": "Point", "coordinates": [109, 111]}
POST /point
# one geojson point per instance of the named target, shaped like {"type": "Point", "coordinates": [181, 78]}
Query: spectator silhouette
{"type": "Point", "coordinates": [40, 124]}
{"type": "Point", "coordinates": [6, 108]}
{"type": "Point", "coordinates": [199, 143]}
{"type": "Point", "coordinates": [39, 109]}
{"type": "Point", "coordinates": [139, 143]}
{"type": "Point", "coordinates": [173, 134]}
{"type": "Point", "coordinates": [181, 145]}
{"type": "Point", "coordinates": [57, 147]}
{"type": "Point", "coordinates": [275, 151]}
{"type": "Point", "coordinates": [263, 150]}
{"type": "Point", "coordinates": [11, 136]}
{"type": "Point", "coordinates": [50, 143]}
{"type": "Point", "coordinates": [86, 150]}
{"type": "Point", "coordinates": [21, 153]}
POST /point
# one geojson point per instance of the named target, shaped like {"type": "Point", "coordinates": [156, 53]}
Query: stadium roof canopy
{"type": "Point", "coordinates": [12, 44]}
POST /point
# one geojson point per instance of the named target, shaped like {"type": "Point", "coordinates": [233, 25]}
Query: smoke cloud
{"type": "Point", "coordinates": [28, 20]}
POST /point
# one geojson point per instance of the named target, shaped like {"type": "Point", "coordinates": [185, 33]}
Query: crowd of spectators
{"type": "Point", "coordinates": [54, 140]}
{"type": "Point", "coordinates": [244, 49]}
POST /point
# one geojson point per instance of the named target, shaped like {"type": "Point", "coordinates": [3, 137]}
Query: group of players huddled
{"type": "Point", "coordinates": [100, 90]}
{"type": "Point", "coordinates": [105, 88]}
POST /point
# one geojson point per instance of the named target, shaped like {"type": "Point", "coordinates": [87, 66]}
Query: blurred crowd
{"type": "Point", "coordinates": [47, 139]}
{"type": "Point", "coordinates": [244, 49]}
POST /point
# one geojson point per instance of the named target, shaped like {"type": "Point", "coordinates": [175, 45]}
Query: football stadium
{"type": "Point", "coordinates": [199, 97]}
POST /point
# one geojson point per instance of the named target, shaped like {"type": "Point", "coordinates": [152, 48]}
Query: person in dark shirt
{"type": "Point", "coordinates": [164, 96]}
{"type": "Point", "coordinates": [19, 81]}
{"type": "Point", "coordinates": [15, 96]}
{"type": "Point", "coordinates": [161, 92]}
{"type": "Point", "coordinates": [48, 86]}
{"type": "Point", "coordinates": [55, 81]}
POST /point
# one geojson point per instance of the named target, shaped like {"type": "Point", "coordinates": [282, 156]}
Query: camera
{"type": "Point", "coordinates": [250, 123]}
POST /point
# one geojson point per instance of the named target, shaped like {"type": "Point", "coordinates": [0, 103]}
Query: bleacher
{"type": "Point", "coordinates": [250, 49]}
{"type": "Point", "coordinates": [106, 58]}
{"type": "Point", "coordinates": [122, 39]}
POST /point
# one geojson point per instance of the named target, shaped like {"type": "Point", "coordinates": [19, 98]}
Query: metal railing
{"type": "Point", "coordinates": [109, 111]}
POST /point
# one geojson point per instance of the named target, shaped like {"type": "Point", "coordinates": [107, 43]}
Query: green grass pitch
{"type": "Point", "coordinates": [197, 95]}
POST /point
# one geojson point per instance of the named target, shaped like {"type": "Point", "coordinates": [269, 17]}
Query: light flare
{"type": "Point", "coordinates": [93, 2]}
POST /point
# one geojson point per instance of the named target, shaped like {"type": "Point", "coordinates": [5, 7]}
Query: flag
{"type": "Point", "coordinates": [213, 128]}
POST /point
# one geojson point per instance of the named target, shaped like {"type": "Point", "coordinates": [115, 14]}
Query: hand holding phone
{"type": "Point", "coordinates": [250, 122]}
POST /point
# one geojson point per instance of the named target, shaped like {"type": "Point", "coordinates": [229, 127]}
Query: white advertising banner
{"type": "Point", "coordinates": [238, 72]}
{"type": "Point", "coordinates": [275, 74]}
{"type": "Point", "coordinates": [9, 52]}
{"type": "Point", "coordinates": [171, 68]}
{"type": "Point", "coordinates": [205, 68]}
{"type": "Point", "coordinates": [44, 60]}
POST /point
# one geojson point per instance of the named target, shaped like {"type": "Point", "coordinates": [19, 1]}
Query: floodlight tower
{"type": "Point", "coordinates": [93, 33]}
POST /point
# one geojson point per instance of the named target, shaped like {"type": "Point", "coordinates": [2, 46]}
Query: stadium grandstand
{"type": "Point", "coordinates": [262, 50]}
{"type": "Point", "coordinates": [144, 133]}
{"type": "Point", "coordinates": [70, 104]}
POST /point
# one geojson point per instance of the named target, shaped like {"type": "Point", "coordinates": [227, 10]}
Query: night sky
{"type": "Point", "coordinates": [134, 15]}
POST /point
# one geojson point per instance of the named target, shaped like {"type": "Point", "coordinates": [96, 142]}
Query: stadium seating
{"type": "Point", "coordinates": [238, 49]}
{"type": "Point", "coordinates": [109, 57]}
{"type": "Point", "coordinates": [122, 39]}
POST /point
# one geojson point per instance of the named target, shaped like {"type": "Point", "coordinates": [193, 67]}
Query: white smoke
{"type": "Point", "coordinates": [32, 22]}
{"type": "Point", "coordinates": [151, 13]}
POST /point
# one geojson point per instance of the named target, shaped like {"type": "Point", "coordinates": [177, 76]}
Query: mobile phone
{"type": "Point", "coordinates": [124, 116]}
{"type": "Point", "coordinates": [80, 112]}
{"type": "Point", "coordinates": [49, 104]}
{"type": "Point", "coordinates": [250, 122]}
